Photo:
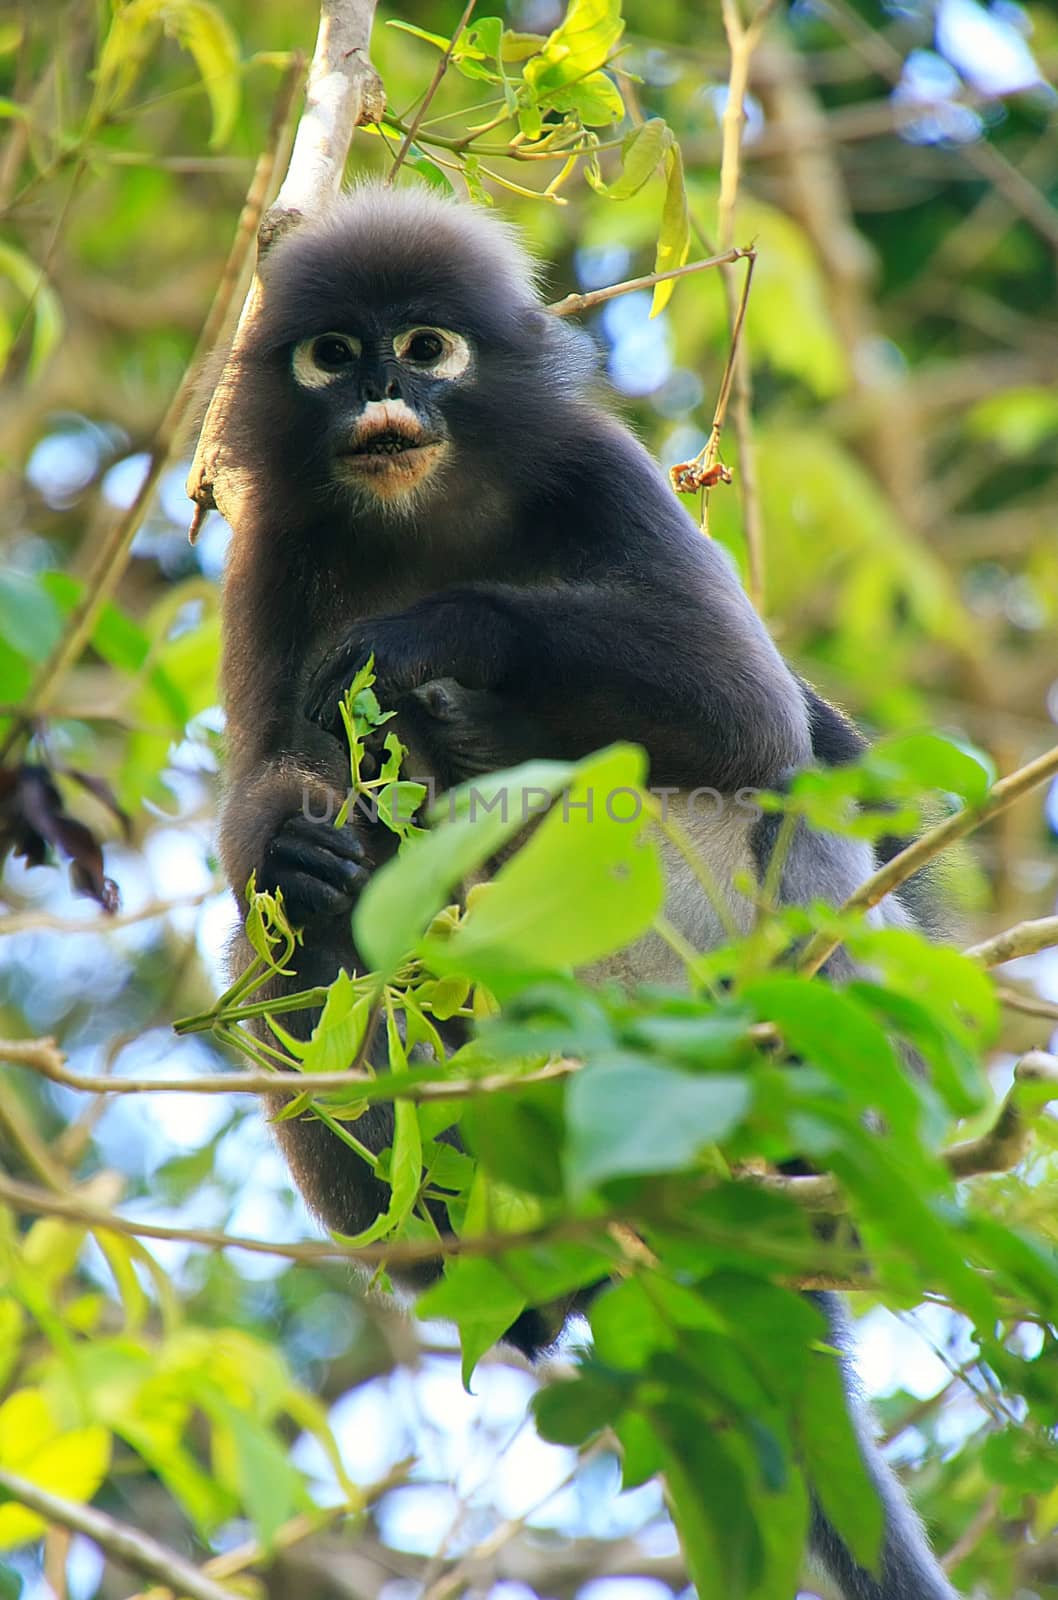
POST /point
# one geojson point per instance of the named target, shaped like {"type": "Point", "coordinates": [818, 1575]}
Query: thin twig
{"type": "Point", "coordinates": [742, 41]}
{"type": "Point", "coordinates": [574, 304]}
{"type": "Point", "coordinates": [929, 844]}
{"type": "Point", "coordinates": [1031, 1005]}
{"type": "Point", "coordinates": [43, 1057]}
{"type": "Point", "coordinates": [112, 556]}
{"type": "Point", "coordinates": [461, 1575]}
{"type": "Point", "coordinates": [47, 922]}
{"type": "Point", "coordinates": [126, 1545]}
{"type": "Point", "coordinates": [432, 88]}
{"type": "Point", "coordinates": [973, 1533]}
{"type": "Point", "coordinates": [305, 1526]}
{"type": "Point", "coordinates": [409, 1252]}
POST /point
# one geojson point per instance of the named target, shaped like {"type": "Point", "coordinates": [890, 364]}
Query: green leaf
{"type": "Point", "coordinates": [482, 1302]}
{"type": "Point", "coordinates": [199, 27]}
{"type": "Point", "coordinates": [338, 1034]}
{"type": "Point", "coordinates": [833, 1459]}
{"type": "Point", "coordinates": [71, 1464]}
{"type": "Point", "coordinates": [1017, 420]}
{"type": "Point", "coordinates": [428, 170]}
{"type": "Point", "coordinates": [642, 152]}
{"type": "Point", "coordinates": [831, 1029]}
{"type": "Point", "coordinates": [949, 984]}
{"type": "Point", "coordinates": [116, 636]}
{"type": "Point", "coordinates": [580, 45]}
{"type": "Point", "coordinates": [587, 883]}
{"type": "Point", "coordinates": [12, 1329]}
{"type": "Point", "coordinates": [932, 762]}
{"type": "Point", "coordinates": [571, 1411]}
{"type": "Point", "coordinates": [436, 39]}
{"type": "Point", "coordinates": [268, 1483]}
{"type": "Point", "coordinates": [641, 1453]}
{"type": "Point", "coordinates": [626, 1116]}
{"type": "Point", "coordinates": [711, 1505]}
{"type": "Point", "coordinates": [518, 1135]}
{"type": "Point", "coordinates": [674, 239]}
{"type": "Point", "coordinates": [29, 618]}
{"type": "Point", "coordinates": [517, 46]}
{"type": "Point", "coordinates": [32, 284]}
{"type": "Point", "coordinates": [204, 31]}
{"type": "Point", "coordinates": [595, 99]}
{"type": "Point", "coordinates": [403, 898]}
{"type": "Point", "coordinates": [405, 1165]}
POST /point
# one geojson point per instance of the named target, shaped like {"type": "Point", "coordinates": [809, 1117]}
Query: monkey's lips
{"type": "Point", "coordinates": [391, 461]}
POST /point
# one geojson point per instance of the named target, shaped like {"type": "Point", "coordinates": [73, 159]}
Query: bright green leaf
{"type": "Point", "coordinates": [628, 1116]}
{"type": "Point", "coordinates": [674, 239]}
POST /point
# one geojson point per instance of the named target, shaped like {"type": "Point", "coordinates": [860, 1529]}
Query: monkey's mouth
{"type": "Point", "coordinates": [390, 462]}
{"type": "Point", "coordinates": [387, 442]}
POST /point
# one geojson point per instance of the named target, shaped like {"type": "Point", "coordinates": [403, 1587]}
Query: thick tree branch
{"type": "Point", "coordinates": [1024, 939]}
{"type": "Point", "coordinates": [998, 1150]}
{"type": "Point", "coordinates": [343, 90]}
{"type": "Point", "coordinates": [1008, 1139]}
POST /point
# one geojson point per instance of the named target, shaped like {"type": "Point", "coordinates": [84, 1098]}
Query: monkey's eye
{"type": "Point", "coordinates": [424, 348]}
{"type": "Point", "coordinates": [331, 352]}
{"type": "Point", "coordinates": [320, 360]}
{"type": "Point", "coordinates": [438, 351]}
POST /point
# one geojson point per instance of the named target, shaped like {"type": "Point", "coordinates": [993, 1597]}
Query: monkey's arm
{"type": "Point", "coordinates": [693, 677]}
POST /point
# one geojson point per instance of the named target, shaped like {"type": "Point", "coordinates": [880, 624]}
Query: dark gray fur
{"type": "Point", "coordinates": [546, 572]}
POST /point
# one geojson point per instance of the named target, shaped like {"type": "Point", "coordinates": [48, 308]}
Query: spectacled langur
{"type": "Point", "coordinates": [435, 481]}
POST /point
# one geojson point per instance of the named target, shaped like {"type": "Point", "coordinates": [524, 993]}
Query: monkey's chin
{"type": "Point", "coordinates": [391, 479]}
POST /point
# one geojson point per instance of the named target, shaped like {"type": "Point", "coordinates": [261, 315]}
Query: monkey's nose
{"type": "Point", "coordinates": [374, 389]}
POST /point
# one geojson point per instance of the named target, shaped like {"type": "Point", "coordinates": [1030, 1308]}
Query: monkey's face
{"type": "Point", "coordinates": [403, 371]}
{"type": "Point", "coordinates": [380, 394]}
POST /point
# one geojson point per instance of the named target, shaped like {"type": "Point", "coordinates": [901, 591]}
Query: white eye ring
{"type": "Point", "coordinates": [312, 373]}
{"type": "Point", "coordinates": [451, 361]}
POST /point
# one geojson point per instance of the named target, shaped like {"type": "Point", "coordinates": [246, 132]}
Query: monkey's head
{"type": "Point", "coordinates": [402, 349]}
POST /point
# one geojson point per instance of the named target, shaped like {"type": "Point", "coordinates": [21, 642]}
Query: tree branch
{"type": "Point", "coordinates": [110, 560]}
{"type": "Point", "coordinates": [432, 88]}
{"type": "Point", "coordinates": [1000, 1149]}
{"type": "Point", "coordinates": [126, 1545]}
{"type": "Point", "coordinates": [574, 304]}
{"type": "Point", "coordinates": [1024, 939]}
{"type": "Point", "coordinates": [1031, 1005]}
{"type": "Point", "coordinates": [343, 90]}
{"type": "Point", "coordinates": [929, 844]}
{"type": "Point", "coordinates": [44, 1057]}
{"type": "Point", "coordinates": [1007, 1140]}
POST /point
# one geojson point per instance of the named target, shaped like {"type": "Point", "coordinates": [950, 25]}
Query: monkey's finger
{"type": "Point", "coordinates": [306, 897]}
{"type": "Point", "coordinates": [343, 842]}
{"type": "Point", "coordinates": [322, 706]}
{"type": "Point", "coordinates": [287, 858]}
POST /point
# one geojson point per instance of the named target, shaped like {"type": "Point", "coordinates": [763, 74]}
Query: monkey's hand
{"type": "Point", "coordinates": [463, 635]}
{"type": "Point", "coordinates": [321, 869]}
